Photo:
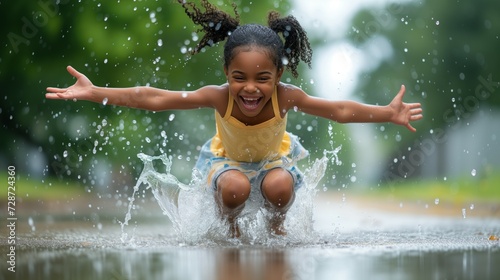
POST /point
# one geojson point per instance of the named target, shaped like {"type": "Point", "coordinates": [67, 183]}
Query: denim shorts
{"type": "Point", "coordinates": [210, 167]}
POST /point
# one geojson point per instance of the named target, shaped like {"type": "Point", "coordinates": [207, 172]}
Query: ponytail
{"type": "Point", "coordinates": [297, 45]}
{"type": "Point", "coordinates": [216, 24]}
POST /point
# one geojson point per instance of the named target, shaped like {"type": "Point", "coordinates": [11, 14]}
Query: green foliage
{"type": "Point", "coordinates": [444, 51]}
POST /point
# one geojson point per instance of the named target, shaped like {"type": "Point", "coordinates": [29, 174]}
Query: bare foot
{"type": "Point", "coordinates": [278, 230]}
{"type": "Point", "coordinates": [276, 224]}
{"type": "Point", "coordinates": [234, 229]}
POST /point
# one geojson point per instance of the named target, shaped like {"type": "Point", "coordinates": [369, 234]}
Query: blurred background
{"type": "Point", "coordinates": [445, 52]}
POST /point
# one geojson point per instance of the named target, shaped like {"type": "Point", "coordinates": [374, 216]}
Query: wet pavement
{"type": "Point", "coordinates": [351, 241]}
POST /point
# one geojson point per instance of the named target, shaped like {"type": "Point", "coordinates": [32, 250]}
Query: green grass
{"type": "Point", "coordinates": [486, 189]}
{"type": "Point", "coordinates": [32, 189]}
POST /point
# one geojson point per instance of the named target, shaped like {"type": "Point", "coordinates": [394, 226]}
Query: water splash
{"type": "Point", "coordinates": [194, 215]}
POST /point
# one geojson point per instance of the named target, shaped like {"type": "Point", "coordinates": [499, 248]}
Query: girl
{"type": "Point", "coordinates": [251, 148]}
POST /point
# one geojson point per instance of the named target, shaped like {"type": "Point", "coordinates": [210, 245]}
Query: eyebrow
{"type": "Point", "coordinates": [259, 73]}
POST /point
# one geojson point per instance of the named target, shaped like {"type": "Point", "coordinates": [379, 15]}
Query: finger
{"type": "Point", "coordinates": [414, 105]}
{"type": "Point", "coordinates": [67, 94]}
{"type": "Point", "coordinates": [55, 96]}
{"type": "Point", "coordinates": [411, 128]}
{"type": "Point", "coordinates": [73, 72]}
{"type": "Point", "coordinates": [416, 111]}
{"type": "Point", "coordinates": [51, 96]}
{"type": "Point", "coordinates": [56, 90]}
{"type": "Point", "coordinates": [402, 90]}
{"type": "Point", "coordinates": [416, 117]}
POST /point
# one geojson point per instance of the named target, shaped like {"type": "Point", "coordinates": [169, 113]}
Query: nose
{"type": "Point", "coordinates": [251, 88]}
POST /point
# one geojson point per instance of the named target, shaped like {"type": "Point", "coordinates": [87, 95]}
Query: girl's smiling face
{"type": "Point", "coordinates": [252, 78]}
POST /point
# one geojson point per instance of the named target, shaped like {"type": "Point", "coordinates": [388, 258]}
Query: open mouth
{"type": "Point", "coordinates": [250, 103]}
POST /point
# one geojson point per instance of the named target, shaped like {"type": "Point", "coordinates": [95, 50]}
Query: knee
{"type": "Point", "coordinates": [233, 188]}
{"type": "Point", "coordinates": [277, 189]}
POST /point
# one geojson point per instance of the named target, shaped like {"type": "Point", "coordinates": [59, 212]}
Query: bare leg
{"type": "Point", "coordinates": [233, 189]}
{"type": "Point", "coordinates": [277, 189]}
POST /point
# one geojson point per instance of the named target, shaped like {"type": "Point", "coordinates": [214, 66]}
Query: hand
{"type": "Point", "coordinates": [81, 90]}
{"type": "Point", "coordinates": [405, 112]}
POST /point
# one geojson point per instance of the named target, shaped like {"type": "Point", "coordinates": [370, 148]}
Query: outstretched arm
{"type": "Point", "coordinates": [147, 98]}
{"type": "Point", "coordinates": [396, 112]}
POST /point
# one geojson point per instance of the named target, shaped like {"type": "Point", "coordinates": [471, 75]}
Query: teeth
{"type": "Point", "coordinates": [251, 102]}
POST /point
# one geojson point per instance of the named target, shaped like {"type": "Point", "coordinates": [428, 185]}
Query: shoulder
{"type": "Point", "coordinates": [290, 96]}
{"type": "Point", "coordinates": [213, 90]}
{"type": "Point", "coordinates": [216, 95]}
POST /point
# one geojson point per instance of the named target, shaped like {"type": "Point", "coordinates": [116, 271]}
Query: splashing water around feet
{"type": "Point", "coordinates": [194, 214]}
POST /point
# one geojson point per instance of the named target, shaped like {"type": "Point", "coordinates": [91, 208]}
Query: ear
{"type": "Point", "coordinates": [279, 74]}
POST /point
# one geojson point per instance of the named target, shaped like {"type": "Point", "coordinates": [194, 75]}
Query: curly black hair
{"type": "Point", "coordinates": [218, 25]}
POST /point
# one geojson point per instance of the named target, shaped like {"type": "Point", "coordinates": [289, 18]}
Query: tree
{"type": "Point", "coordinates": [445, 52]}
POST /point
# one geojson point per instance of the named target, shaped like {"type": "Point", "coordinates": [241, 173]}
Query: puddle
{"type": "Point", "coordinates": [351, 243]}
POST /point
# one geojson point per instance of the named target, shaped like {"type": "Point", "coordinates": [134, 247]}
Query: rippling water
{"type": "Point", "coordinates": [328, 238]}
{"type": "Point", "coordinates": [350, 244]}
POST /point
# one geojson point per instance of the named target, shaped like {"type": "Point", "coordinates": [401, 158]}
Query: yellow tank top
{"type": "Point", "coordinates": [250, 143]}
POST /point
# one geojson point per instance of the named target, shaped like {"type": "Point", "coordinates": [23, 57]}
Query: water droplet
{"type": "Point", "coordinates": [160, 42]}
{"type": "Point", "coordinates": [437, 22]}
{"type": "Point", "coordinates": [464, 212]}
{"type": "Point", "coordinates": [184, 95]}
{"type": "Point", "coordinates": [65, 153]}
{"type": "Point", "coordinates": [194, 37]}
{"type": "Point", "coordinates": [148, 140]}
{"type": "Point", "coordinates": [436, 201]}
{"type": "Point", "coordinates": [105, 101]}
{"type": "Point", "coordinates": [473, 172]}
{"type": "Point", "coordinates": [31, 224]}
